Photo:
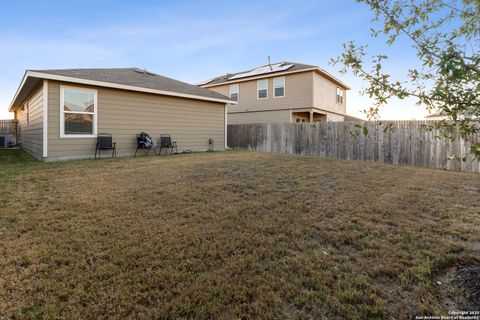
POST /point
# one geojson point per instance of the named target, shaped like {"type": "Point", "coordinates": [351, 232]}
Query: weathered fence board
{"type": "Point", "coordinates": [405, 142]}
{"type": "Point", "coordinates": [8, 126]}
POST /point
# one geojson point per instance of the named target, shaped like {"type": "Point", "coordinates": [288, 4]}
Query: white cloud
{"type": "Point", "coordinates": [174, 35]}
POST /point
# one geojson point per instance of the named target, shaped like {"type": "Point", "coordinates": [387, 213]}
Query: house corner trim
{"type": "Point", "coordinates": [45, 118]}
{"type": "Point", "coordinates": [226, 123]}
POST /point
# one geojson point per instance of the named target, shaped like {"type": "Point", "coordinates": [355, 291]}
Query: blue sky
{"type": "Point", "coordinates": [189, 40]}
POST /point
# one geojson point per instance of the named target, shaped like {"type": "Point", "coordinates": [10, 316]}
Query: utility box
{"type": "Point", "coordinates": [7, 140]}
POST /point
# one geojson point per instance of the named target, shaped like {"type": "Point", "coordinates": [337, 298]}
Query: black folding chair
{"type": "Point", "coordinates": [104, 142]}
{"type": "Point", "coordinates": [142, 144]}
{"type": "Point", "coordinates": [167, 143]}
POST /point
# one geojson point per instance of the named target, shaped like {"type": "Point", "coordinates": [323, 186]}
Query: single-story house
{"type": "Point", "coordinates": [60, 112]}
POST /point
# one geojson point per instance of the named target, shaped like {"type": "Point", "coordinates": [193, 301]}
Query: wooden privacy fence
{"type": "Point", "coordinates": [404, 142]}
{"type": "Point", "coordinates": [8, 126]}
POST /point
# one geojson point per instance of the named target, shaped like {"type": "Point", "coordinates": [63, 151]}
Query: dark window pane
{"type": "Point", "coordinates": [279, 92]}
{"type": "Point", "coordinates": [262, 93]}
{"type": "Point", "coordinates": [76, 123]}
{"type": "Point", "coordinates": [234, 96]}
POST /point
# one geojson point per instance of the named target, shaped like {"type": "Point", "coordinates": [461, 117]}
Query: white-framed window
{"type": "Point", "coordinates": [339, 96]}
{"type": "Point", "coordinates": [279, 87]}
{"type": "Point", "coordinates": [299, 119]}
{"type": "Point", "coordinates": [78, 112]}
{"type": "Point", "coordinates": [262, 89]}
{"type": "Point", "coordinates": [234, 91]}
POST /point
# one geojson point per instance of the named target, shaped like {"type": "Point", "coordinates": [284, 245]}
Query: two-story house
{"type": "Point", "coordinates": [282, 92]}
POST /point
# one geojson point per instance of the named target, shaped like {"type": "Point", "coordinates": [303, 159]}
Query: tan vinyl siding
{"type": "Point", "coordinates": [31, 133]}
{"type": "Point", "coordinates": [298, 94]}
{"type": "Point", "coordinates": [126, 113]}
{"type": "Point", "coordinates": [303, 91]}
{"type": "Point", "coordinates": [325, 95]}
{"type": "Point", "coordinates": [259, 117]}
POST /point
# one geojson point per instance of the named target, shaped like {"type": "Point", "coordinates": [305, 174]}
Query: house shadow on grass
{"type": "Point", "coordinates": [15, 156]}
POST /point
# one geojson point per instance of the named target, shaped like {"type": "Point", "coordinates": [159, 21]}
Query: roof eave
{"type": "Point", "coordinates": [24, 79]}
{"type": "Point", "coordinates": [48, 76]}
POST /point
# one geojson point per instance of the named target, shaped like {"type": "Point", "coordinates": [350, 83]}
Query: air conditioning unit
{"type": "Point", "coordinates": [6, 140]}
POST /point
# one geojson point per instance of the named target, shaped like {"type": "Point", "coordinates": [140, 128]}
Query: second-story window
{"type": "Point", "coordinates": [234, 91]}
{"type": "Point", "coordinates": [279, 87]}
{"type": "Point", "coordinates": [262, 88]}
{"type": "Point", "coordinates": [339, 96]}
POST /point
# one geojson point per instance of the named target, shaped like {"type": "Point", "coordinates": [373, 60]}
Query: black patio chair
{"type": "Point", "coordinates": [167, 143]}
{"type": "Point", "coordinates": [144, 142]}
{"type": "Point", "coordinates": [104, 142]}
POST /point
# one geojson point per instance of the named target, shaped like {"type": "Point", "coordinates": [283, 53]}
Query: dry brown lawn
{"type": "Point", "coordinates": [233, 235]}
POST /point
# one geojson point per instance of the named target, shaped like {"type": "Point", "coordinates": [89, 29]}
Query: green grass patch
{"type": "Point", "coordinates": [15, 157]}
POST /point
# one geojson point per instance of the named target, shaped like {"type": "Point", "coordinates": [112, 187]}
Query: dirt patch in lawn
{"type": "Point", "coordinates": [468, 277]}
{"type": "Point", "coordinates": [458, 287]}
{"type": "Point", "coordinates": [234, 235]}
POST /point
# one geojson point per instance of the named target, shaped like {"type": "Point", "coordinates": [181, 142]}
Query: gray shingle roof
{"type": "Point", "coordinates": [137, 78]}
{"type": "Point", "coordinates": [296, 67]}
